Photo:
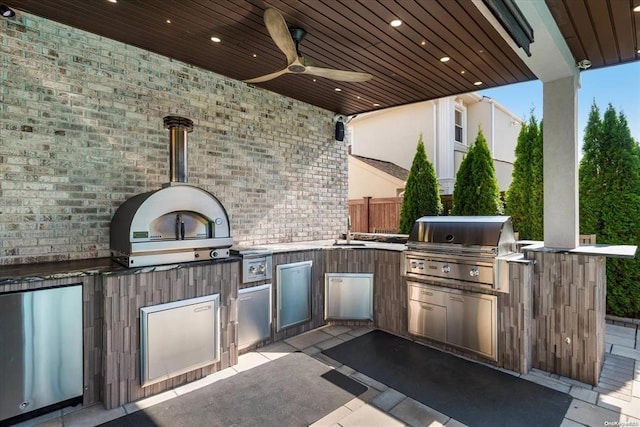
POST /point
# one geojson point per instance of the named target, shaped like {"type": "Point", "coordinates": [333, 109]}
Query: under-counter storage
{"type": "Point", "coordinates": [254, 315]}
{"type": "Point", "coordinates": [294, 294]}
{"type": "Point", "coordinates": [349, 296]}
{"type": "Point", "coordinates": [40, 349]}
{"type": "Point", "coordinates": [178, 337]}
{"type": "Point", "coordinates": [461, 318]}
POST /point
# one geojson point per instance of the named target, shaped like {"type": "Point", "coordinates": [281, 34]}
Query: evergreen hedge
{"type": "Point", "coordinates": [421, 193]}
{"type": "Point", "coordinates": [525, 196]}
{"type": "Point", "coordinates": [610, 202]}
{"type": "Point", "coordinates": [476, 191]}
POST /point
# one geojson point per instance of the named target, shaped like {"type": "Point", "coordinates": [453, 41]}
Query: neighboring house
{"type": "Point", "coordinates": [448, 126]}
{"type": "Point", "coordinates": [375, 178]}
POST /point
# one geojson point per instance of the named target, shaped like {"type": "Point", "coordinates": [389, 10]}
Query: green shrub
{"type": "Point", "coordinates": [421, 193]}
{"type": "Point", "coordinates": [610, 202]}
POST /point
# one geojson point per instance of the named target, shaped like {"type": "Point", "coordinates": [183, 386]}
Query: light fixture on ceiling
{"type": "Point", "coordinates": [338, 89]}
{"type": "Point", "coordinates": [637, 8]}
{"type": "Point", "coordinates": [513, 21]}
{"type": "Point", "coordinates": [585, 64]}
{"type": "Point", "coordinates": [113, 1]}
{"type": "Point", "coordinates": [6, 12]}
{"type": "Point", "coordinates": [215, 39]}
{"type": "Point", "coordinates": [478, 83]}
{"type": "Point", "coordinates": [445, 59]}
{"type": "Point", "coordinates": [395, 23]}
{"type": "Point", "coordinates": [168, 21]}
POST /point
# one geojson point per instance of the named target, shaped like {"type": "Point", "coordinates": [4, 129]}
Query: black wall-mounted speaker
{"type": "Point", "coordinates": [339, 131]}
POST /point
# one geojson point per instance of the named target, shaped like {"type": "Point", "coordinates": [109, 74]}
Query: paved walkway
{"type": "Point", "coordinates": [615, 401]}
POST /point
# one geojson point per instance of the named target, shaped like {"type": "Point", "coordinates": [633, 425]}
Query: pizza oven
{"type": "Point", "coordinates": [176, 223]}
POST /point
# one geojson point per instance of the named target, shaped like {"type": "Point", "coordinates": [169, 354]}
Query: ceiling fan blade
{"type": "Point", "coordinates": [279, 32]}
{"type": "Point", "coordinates": [267, 76]}
{"type": "Point", "coordinates": [339, 75]}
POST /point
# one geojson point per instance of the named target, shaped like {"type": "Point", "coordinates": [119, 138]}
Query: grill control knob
{"type": "Point", "coordinates": [421, 266]}
{"type": "Point", "coordinates": [213, 254]}
{"type": "Point", "coordinates": [414, 264]}
{"type": "Point", "coordinates": [261, 268]}
{"type": "Point", "coordinates": [446, 268]}
{"type": "Point", "coordinates": [474, 272]}
{"type": "Point", "coordinates": [252, 269]}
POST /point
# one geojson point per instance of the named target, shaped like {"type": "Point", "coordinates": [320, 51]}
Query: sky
{"type": "Point", "coordinates": [618, 85]}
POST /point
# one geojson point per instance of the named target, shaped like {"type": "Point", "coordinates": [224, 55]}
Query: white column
{"type": "Point", "coordinates": [560, 144]}
{"type": "Point", "coordinates": [445, 161]}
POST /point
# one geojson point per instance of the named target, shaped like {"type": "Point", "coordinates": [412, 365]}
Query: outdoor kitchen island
{"type": "Point", "coordinates": [113, 296]}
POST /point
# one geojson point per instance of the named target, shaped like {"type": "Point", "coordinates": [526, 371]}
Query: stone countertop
{"type": "Point", "coordinates": [326, 245]}
{"type": "Point", "coordinates": [12, 274]}
{"type": "Point", "coordinates": [606, 250]}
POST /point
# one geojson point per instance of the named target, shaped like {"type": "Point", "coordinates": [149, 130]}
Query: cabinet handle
{"type": "Point", "coordinates": [426, 293]}
{"type": "Point", "coordinates": [426, 307]}
{"type": "Point", "coordinates": [456, 299]}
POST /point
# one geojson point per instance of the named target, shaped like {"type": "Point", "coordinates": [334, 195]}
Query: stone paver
{"type": "Point", "coordinates": [332, 418]}
{"type": "Point", "coordinates": [277, 350]}
{"type": "Point", "coordinates": [591, 415]}
{"type": "Point", "coordinates": [92, 416]}
{"type": "Point", "coordinates": [454, 423]}
{"type": "Point", "coordinates": [336, 330]}
{"type": "Point", "coordinates": [307, 339]}
{"type": "Point", "coordinates": [363, 399]}
{"type": "Point", "coordinates": [626, 407]}
{"type": "Point", "coordinates": [250, 360]}
{"type": "Point", "coordinates": [416, 414]}
{"type": "Point", "coordinates": [149, 401]}
{"type": "Point", "coordinates": [547, 382]}
{"type": "Point", "coordinates": [369, 381]}
{"type": "Point", "coordinates": [370, 416]}
{"type": "Point", "coordinates": [569, 423]}
{"type": "Point", "coordinates": [588, 396]}
{"type": "Point", "coordinates": [626, 352]}
{"type": "Point", "coordinates": [388, 399]}
{"type": "Point", "coordinates": [332, 342]}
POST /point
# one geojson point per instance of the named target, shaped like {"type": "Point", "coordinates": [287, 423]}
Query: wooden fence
{"type": "Point", "coordinates": [381, 215]}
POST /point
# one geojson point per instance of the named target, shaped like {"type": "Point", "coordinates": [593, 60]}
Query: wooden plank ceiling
{"type": "Point", "coordinates": [350, 35]}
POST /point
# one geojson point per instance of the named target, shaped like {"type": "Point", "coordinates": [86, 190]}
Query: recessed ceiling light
{"type": "Point", "coordinates": [338, 89]}
{"type": "Point", "coordinates": [113, 1]}
{"type": "Point", "coordinates": [444, 59]}
{"type": "Point", "coordinates": [395, 23]}
{"type": "Point", "coordinates": [462, 71]}
{"type": "Point", "coordinates": [255, 55]}
{"type": "Point", "coordinates": [477, 83]}
{"type": "Point", "coordinates": [6, 12]}
{"type": "Point", "coordinates": [637, 8]}
{"type": "Point", "coordinates": [168, 21]}
{"type": "Point", "coordinates": [423, 42]}
{"type": "Point", "coordinates": [215, 39]}
{"type": "Point", "coordinates": [375, 104]}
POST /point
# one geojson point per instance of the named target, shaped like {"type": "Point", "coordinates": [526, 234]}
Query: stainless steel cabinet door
{"type": "Point", "coordinates": [428, 320]}
{"type": "Point", "coordinates": [348, 296]}
{"type": "Point", "coordinates": [471, 322]}
{"type": "Point", "coordinates": [294, 294]}
{"type": "Point", "coordinates": [254, 315]}
{"type": "Point", "coordinates": [40, 349]}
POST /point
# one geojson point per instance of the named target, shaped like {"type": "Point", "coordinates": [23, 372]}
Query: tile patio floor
{"type": "Point", "coordinates": [615, 401]}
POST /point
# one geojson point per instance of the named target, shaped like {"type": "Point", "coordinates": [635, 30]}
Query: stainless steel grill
{"type": "Point", "coordinates": [177, 223]}
{"type": "Point", "coordinates": [470, 250]}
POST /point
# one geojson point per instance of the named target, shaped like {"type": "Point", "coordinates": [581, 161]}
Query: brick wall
{"type": "Point", "coordinates": [81, 131]}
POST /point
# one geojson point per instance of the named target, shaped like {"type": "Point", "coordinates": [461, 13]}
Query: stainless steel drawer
{"type": "Point", "coordinates": [428, 320]}
{"type": "Point", "coordinates": [427, 294]}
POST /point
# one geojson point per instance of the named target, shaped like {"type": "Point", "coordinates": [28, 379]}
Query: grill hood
{"type": "Point", "coordinates": [177, 223]}
{"type": "Point", "coordinates": [494, 232]}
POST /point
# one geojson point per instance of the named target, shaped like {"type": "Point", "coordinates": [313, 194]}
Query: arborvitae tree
{"type": "Point", "coordinates": [610, 202]}
{"type": "Point", "coordinates": [525, 196]}
{"type": "Point", "coordinates": [537, 188]}
{"type": "Point", "coordinates": [463, 190]}
{"type": "Point", "coordinates": [476, 191]}
{"type": "Point", "coordinates": [421, 193]}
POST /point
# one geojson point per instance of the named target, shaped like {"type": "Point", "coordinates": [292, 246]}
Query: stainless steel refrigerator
{"type": "Point", "coordinates": [40, 349]}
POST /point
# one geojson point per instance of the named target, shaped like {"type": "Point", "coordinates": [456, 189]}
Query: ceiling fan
{"type": "Point", "coordinates": [288, 40]}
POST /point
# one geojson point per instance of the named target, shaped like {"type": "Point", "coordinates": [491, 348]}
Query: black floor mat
{"type": "Point", "coordinates": [295, 390]}
{"type": "Point", "coordinates": [471, 393]}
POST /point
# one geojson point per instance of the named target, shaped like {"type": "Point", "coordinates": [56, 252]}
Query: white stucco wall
{"type": "Point", "coordinates": [392, 134]}
{"type": "Point", "coordinates": [367, 181]}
